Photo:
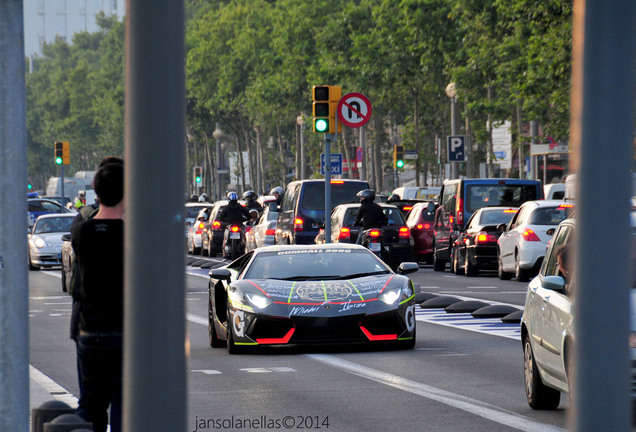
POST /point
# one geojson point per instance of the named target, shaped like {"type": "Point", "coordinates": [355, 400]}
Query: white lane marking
{"type": "Point", "coordinates": [268, 369]}
{"type": "Point", "coordinates": [57, 274]}
{"type": "Point", "coordinates": [54, 389]}
{"type": "Point", "coordinates": [473, 406]}
{"type": "Point", "coordinates": [49, 297]}
{"type": "Point", "coordinates": [204, 276]}
{"type": "Point", "coordinates": [207, 371]}
{"type": "Point", "coordinates": [197, 319]}
{"type": "Point", "coordinates": [464, 321]}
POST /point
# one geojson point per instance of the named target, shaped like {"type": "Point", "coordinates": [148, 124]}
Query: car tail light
{"type": "Point", "coordinates": [404, 232]}
{"type": "Point", "coordinates": [235, 228]}
{"type": "Point", "coordinates": [510, 211]}
{"type": "Point", "coordinates": [460, 211]}
{"type": "Point", "coordinates": [529, 235]}
{"type": "Point", "coordinates": [345, 234]}
{"type": "Point", "coordinates": [407, 208]}
{"type": "Point", "coordinates": [298, 224]}
{"type": "Point", "coordinates": [423, 226]}
{"type": "Point", "coordinates": [374, 233]}
{"type": "Point", "coordinates": [270, 232]}
{"type": "Point", "coordinates": [216, 225]}
{"type": "Point", "coordinates": [337, 182]}
{"type": "Point", "coordinates": [564, 206]}
{"type": "Point", "coordinates": [200, 227]}
{"type": "Point", "coordinates": [485, 237]}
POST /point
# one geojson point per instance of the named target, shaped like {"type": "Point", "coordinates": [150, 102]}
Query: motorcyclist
{"type": "Point", "coordinates": [203, 198]}
{"type": "Point", "coordinates": [250, 197]}
{"type": "Point", "coordinates": [233, 213]}
{"type": "Point", "coordinates": [370, 214]}
{"type": "Point", "coordinates": [80, 201]}
{"type": "Point", "coordinates": [278, 194]}
{"type": "Point", "coordinates": [194, 198]}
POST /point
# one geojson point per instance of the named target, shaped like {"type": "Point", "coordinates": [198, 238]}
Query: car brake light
{"type": "Point", "coordinates": [270, 232]}
{"type": "Point", "coordinates": [484, 237]}
{"type": "Point", "coordinates": [510, 211]}
{"type": "Point", "coordinates": [216, 225]}
{"type": "Point", "coordinates": [337, 182]}
{"type": "Point", "coordinates": [451, 219]}
{"type": "Point", "coordinates": [423, 226]}
{"type": "Point", "coordinates": [407, 208]}
{"type": "Point", "coordinates": [200, 227]}
{"type": "Point", "coordinates": [235, 228]}
{"type": "Point", "coordinates": [563, 206]}
{"type": "Point", "coordinates": [529, 235]}
{"type": "Point", "coordinates": [404, 232]}
{"type": "Point", "coordinates": [345, 234]}
{"type": "Point", "coordinates": [460, 211]}
{"type": "Point", "coordinates": [374, 233]}
{"type": "Point", "coordinates": [298, 224]}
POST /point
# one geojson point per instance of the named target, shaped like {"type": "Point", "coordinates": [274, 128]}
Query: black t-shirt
{"type": "Point", "coordinates": [370, 215]}
{"type": "Point", "coordinates": [234, 213]}
{"type": "Point", "coordinates": [99, 250]}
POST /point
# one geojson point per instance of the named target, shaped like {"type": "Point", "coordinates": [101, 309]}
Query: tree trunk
{"type": "Point", "coordinates": [345, 150]}
{"type": "Point", "coordinates": [283, 170]}
{"type": "Point", "coordinates": [520, 141]}
{"type": "Point", "coordinates": [416, 131]}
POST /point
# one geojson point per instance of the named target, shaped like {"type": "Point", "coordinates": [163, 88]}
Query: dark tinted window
{"type": "Point", "coordinates": [341, 193]}
{"type": "Point", "coordinates": [550, 215]}
{"type": "Point", "coordinates": [478, 196]}
{"type": "Point", "coordinates": [495, 217]}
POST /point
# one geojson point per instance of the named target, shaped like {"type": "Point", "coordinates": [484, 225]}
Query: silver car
{"type": "Point", "coordinates": [45, 239]}
{"type": "Point", "coordinates": [263, 232]}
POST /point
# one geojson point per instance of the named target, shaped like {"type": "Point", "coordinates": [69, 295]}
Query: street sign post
{"type": "Point", "coordinates": [336, 163]}
{"type": "Point", "coordinates": [354, 110]}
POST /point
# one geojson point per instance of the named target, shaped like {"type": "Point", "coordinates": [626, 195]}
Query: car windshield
{"type": "Point", "coordinates": [479, 196]}
{"type": "Point", "coordinates": [50, 225]}
{"type": "Point", "coordinates": [314, 263]}
{"type": "Point", "coordinates": [341, 193]}
{"type": "Point", "coordinates": [193, 211]}
{"type": "Point", "coordinates": [496, 217]}
{"type": "Point", "coordinates": [550, 215]}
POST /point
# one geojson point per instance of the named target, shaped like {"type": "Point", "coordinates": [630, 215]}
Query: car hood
{"type": "Point", "coordinates": [323, 291]}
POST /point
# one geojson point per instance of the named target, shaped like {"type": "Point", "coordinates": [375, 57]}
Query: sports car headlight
{"type": "Point", "coordinates": [259, 301]}
{"type": "Point", "coordinates": [390, 296]}
{"type": "Point", "coordinates": [39, 243]}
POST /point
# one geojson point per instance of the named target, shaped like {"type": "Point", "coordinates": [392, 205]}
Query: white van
{"type": "Point", "coordinates": [554, 191]}
{"type": "Point", "coordinates": [426, 193]}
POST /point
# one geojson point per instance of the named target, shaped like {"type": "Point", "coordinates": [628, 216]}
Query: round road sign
{"type": "Point", "coordinates": [354, 110]}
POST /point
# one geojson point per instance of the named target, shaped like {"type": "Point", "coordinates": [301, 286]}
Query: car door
{"type": "Point", "coordinates": [510, 238]}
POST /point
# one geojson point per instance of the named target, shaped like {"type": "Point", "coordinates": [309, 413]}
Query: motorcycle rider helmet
{"type": "Point", "coordinates": [232, 196]}
{"type": "Point", "coordinates": [249, 196]}
{"type": "Point", "coordinates": [366, 195]}
{"type": "Point", "coordinates": [394, 198]}
{"type": "Point", "coordinates": [203, 198]}
{"type": "Point", "coordinates": [277, 190]}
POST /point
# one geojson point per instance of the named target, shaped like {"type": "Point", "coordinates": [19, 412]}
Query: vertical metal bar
{"type": "Point", "coordinates": [155, 395]}
{"type": "Point", "coordinates": [62, 181]}
{"type": "Point", "coordinates": [303, 163]}
{"type": "Point", "coordinates": [363, 162]}
{"type": "Point", "coordinates": [14, 287]}
{"type": "Point", "coordinates": [327, 188]}
{"type": "Point", "coordinates": [454, 132]}
{"type": "Point", "coordinates": [603, 94]}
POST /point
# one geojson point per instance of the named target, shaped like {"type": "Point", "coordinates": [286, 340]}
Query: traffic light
{"type": "Point", "coordinates": [398, 156]}
{"type": "Point", "coordinates": [198, 174]}
{"type": "Point", "coordinates": [326, 100]}
{"type": "Point", "coordinates": [62, 153]}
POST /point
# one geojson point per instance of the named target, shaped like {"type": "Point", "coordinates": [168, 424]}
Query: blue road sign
{"type": "Point", "coordinates": [336, 163]}
{"type": "Point", "coordinates": [456, 148]}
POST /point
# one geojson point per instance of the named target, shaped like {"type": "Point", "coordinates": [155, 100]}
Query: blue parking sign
{"type": "Point", "coordinates": [336, 163]}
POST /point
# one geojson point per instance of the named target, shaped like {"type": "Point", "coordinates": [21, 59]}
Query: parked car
{"type": "Point", "coordinates": [476, 246]}
{"type": "Point", "coordinates": [193, 238]}
{"type": "Point", "coordinates": [39, 206]}
{"type": "Point", "coordinates": [310, 294]}
{"type": "Point", "coordinates": [302, 211]}
{"type": "Point", "coordinates": [45, 239]}
{"type": "Point", "coordinates": [524, 240]}
{"type": "Point", "coordinates": [398, 246]}
{"type": "Point", "coordinates": [192, 210]}
{"type": "Point", "coordinates": [460, 198]}
{"type": "Point", "coordinates": [263, 232]}
{"type": "Point", "coordinates": [420, 221]}
{"type": "Point", "coordinates": [213, 230]}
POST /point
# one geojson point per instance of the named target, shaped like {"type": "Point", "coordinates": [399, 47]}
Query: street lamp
{"type": "Point", "coordinates": [301, 122]}
{"type": "Point", "coordinates": [451, 92]}
{"type": "Point", "coordinates": [217, 134]}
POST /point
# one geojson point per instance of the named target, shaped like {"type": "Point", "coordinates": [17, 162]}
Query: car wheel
{"type": "Point", "coordinates": [438, 264]}
{"type": "Point", "coordinates": [540, 397]}
{"type": "Point", "coordinates": [470, 270]}
{"type": "Point", "coordinates": [456, 268]}
{"type": "Point", "coordinates": [215, 342]}
{"type": "Point", "coordinates": [503, 275]}
{"type": "Point", "coordinates": [520, 274]}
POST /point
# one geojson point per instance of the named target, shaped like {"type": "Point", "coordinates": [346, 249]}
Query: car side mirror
{"type": "Point", "coordinates": [430, 207]}
{"type": "Point", "coordinates": [502, 227]}
{"type": "Point", "coordinates": [551, 231]}
{"type": "Point", "coordinates": [220, 274]}
{"type": "Point", "coordinates": [553, 283]}
{"type": "Point", "coordinates": [66, 237]}
{"type": "Point", "coordinates": [273, 207]}
{"type": "Point", "coordinates": [408, 267]}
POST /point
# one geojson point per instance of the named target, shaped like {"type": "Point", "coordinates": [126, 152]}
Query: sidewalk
{"type": "Point", "coordinates": [44, 389]}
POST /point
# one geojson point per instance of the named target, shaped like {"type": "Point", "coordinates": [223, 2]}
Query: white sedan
{"type": "Point", "coordinates": [522, 245]}
{"type": "Point", "coordinates": [45, 239]}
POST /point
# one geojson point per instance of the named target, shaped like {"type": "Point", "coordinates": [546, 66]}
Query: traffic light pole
{"type": "Point", "coordinates": [62, 179]}
{"type": "Point", "coordinates": [328, 188]}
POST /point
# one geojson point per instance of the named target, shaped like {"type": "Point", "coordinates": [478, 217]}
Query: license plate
{"type": "Point", "coordinates": [375, 247]}
{"type": "Point", "coordinates": [235, 235]}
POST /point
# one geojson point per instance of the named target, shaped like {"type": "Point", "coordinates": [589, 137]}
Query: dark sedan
{"type": "Point", "coordinates": [304, 294]}
{"type": "Point", "coordinates": [476, 246]}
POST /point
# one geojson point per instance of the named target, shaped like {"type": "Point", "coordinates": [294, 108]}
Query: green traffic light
{"type": "Point", "coordinates": [321, 125]}
{"type": "Point", "coordinates": [197, 179]}
{"type": "Point", "coordinates": [58, 160]}
{"type": "Point", "coordinates": [399, 163]}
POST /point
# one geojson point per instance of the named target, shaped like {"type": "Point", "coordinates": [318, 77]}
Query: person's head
{"type": "Point", "coordinates": [109, 184]}
{"type": "Point", "coordinates": [563, 260]}
{"type": "Point", "coordinates": [249, 196]}
{"type": "Point", "coordinates": [203, 197]}
{"type": "Point", "coordinates": [277, 192]}
{"type": "Point", "coordinates": [81, 194]}
{"type": "Point", "coordinates": [366, 196]}
{"type": "Point", "coordinates": [109, 160]}
{"type": "Point", "coordinates": [194, 198]}
{"type": "Point", "coordinates": [232, 197]}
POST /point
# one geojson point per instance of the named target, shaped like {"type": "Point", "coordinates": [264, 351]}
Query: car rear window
{"type": "Point", "coordinates": [495, 217]}
{"type": "Point", "coordinates": [394, 215]}
{"type": "Point", "coordinates": [550, 215]}
{"type": "Point", "coordinates": [478, 196]}
{"type": "Point", "coordinates": [341, 193]}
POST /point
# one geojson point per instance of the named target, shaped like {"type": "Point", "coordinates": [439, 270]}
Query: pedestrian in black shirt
{"type": "Point", "coordinates": [99, 249]}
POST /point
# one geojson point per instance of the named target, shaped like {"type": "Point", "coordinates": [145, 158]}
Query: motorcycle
{"type": "Point", "coordinates": [234, 241]}
{"type": "Point", "coordinates": [373, 239]}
